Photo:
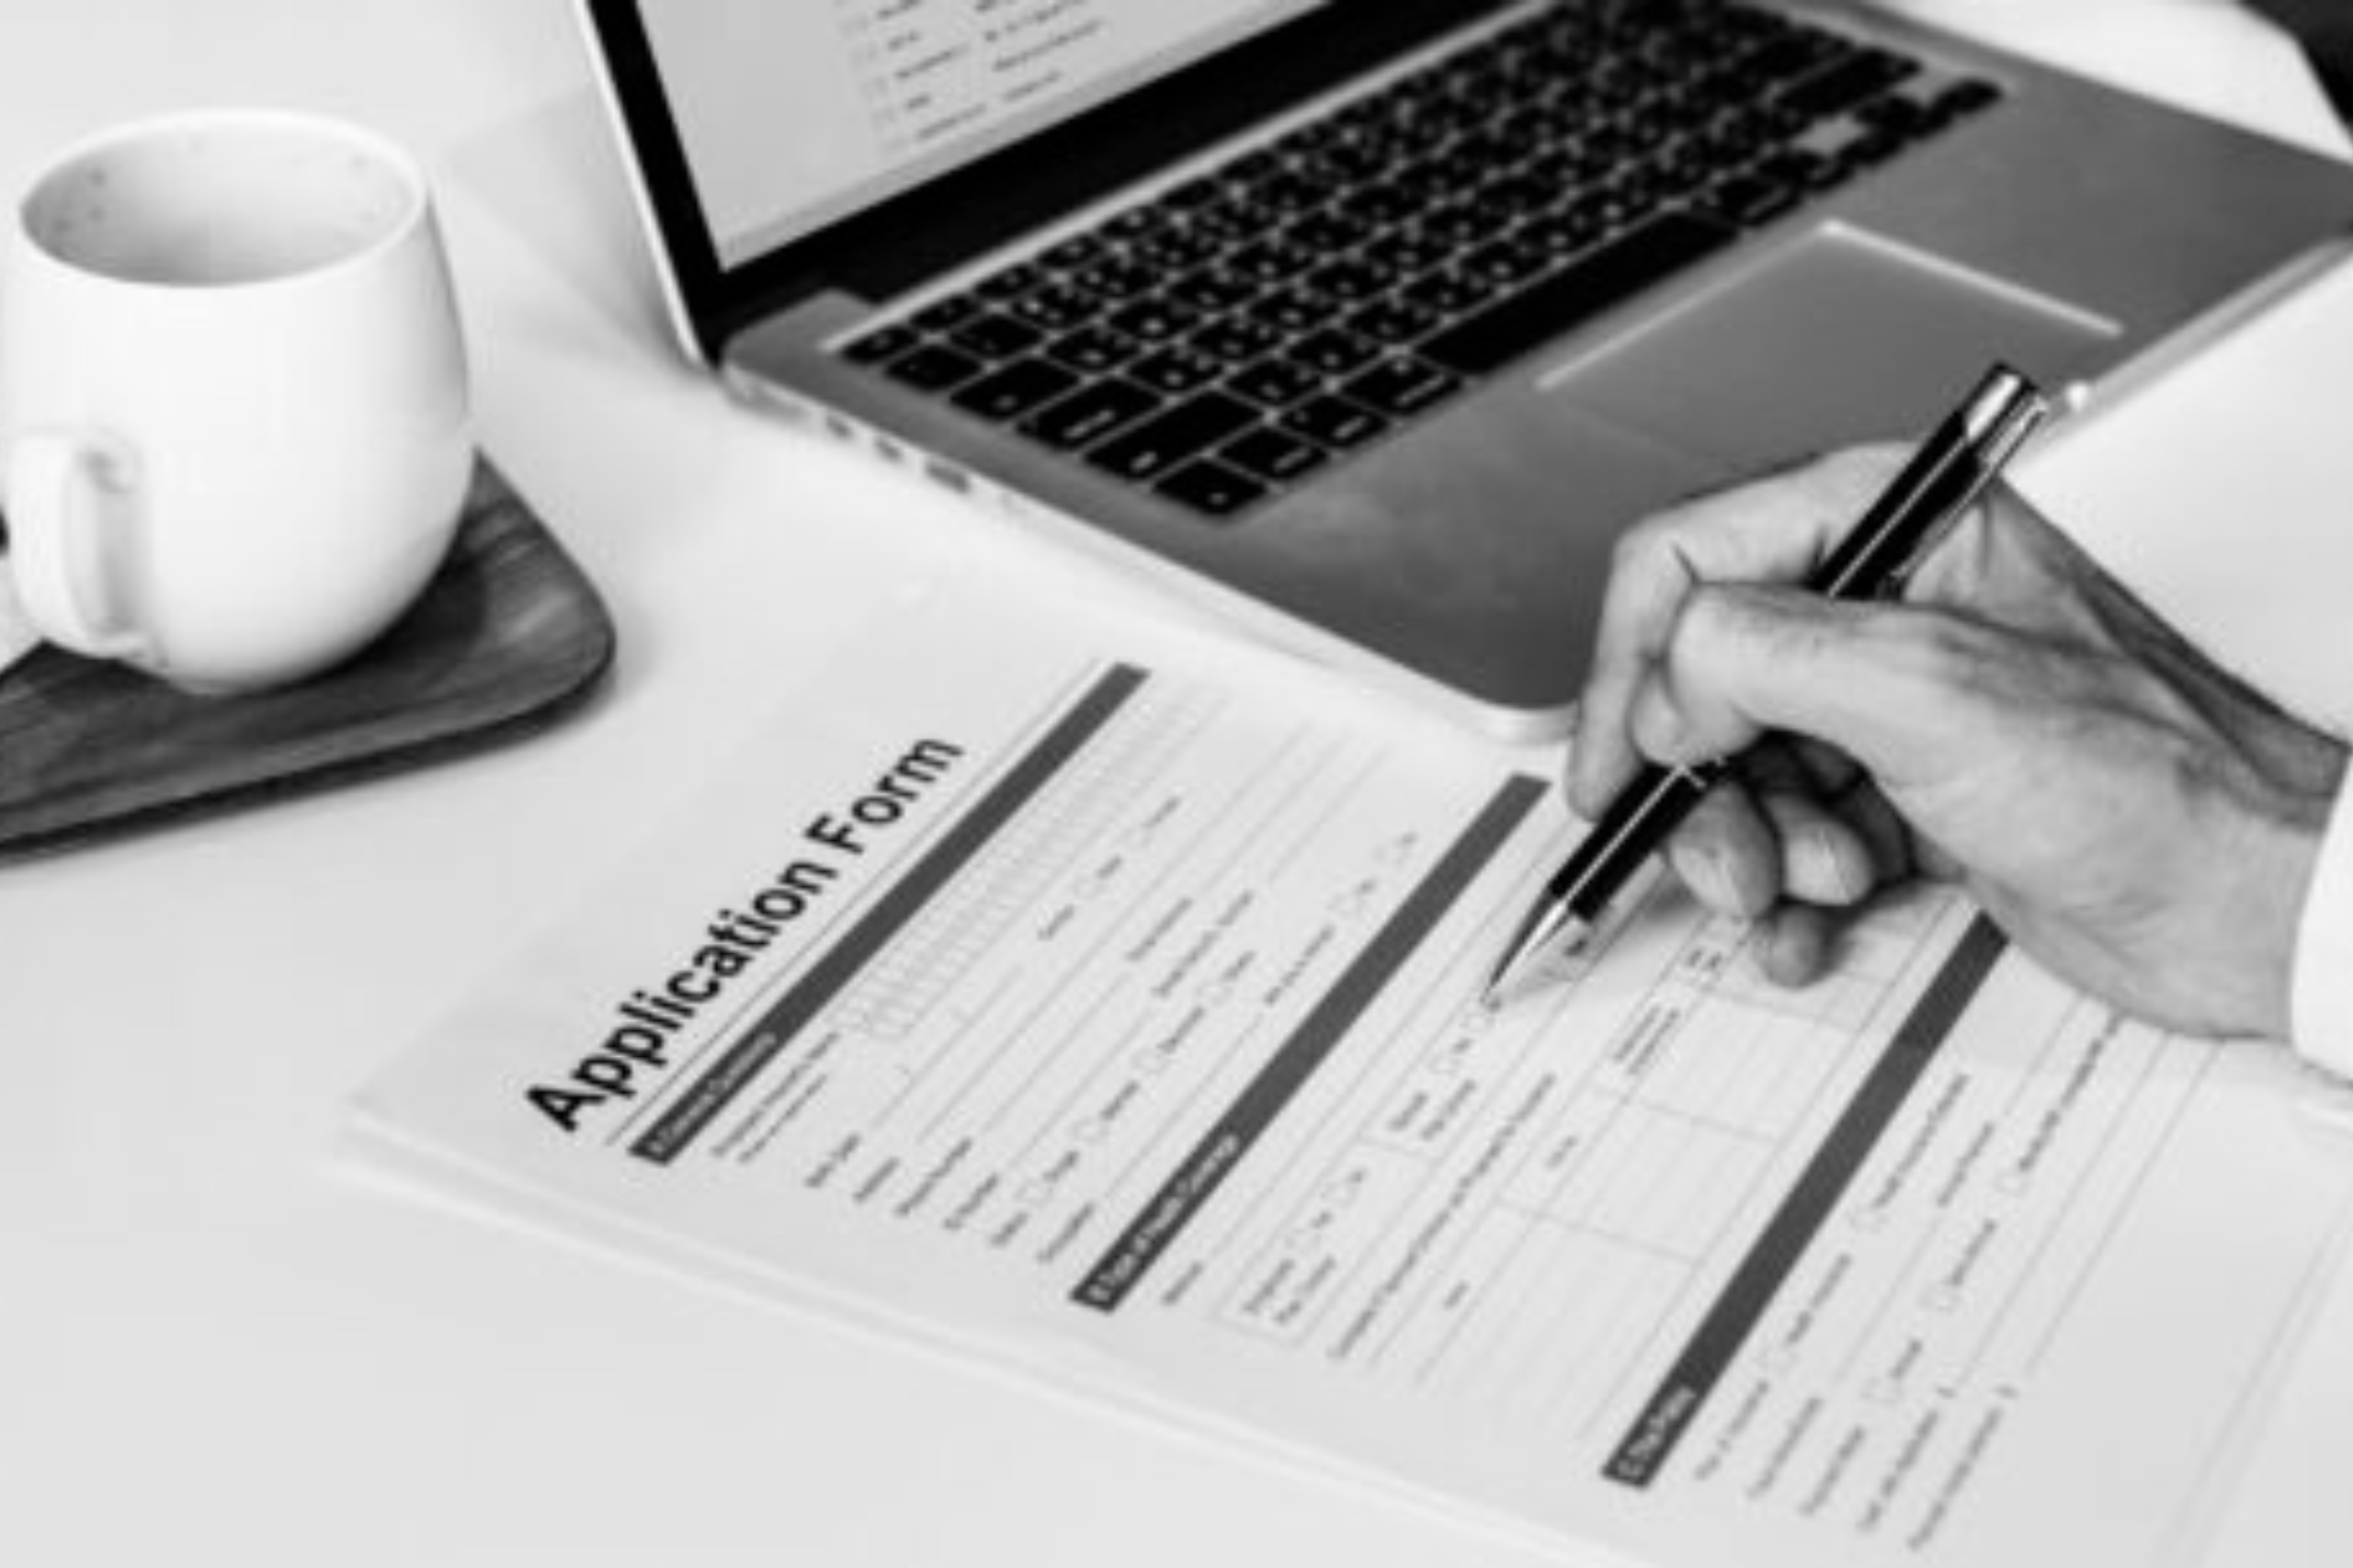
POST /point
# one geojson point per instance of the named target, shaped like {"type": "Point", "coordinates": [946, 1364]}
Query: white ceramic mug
{"type": "Point", "coordinates": [232, 395]}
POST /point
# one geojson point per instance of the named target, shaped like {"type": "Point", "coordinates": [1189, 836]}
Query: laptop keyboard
{"type": "Point", "coordinates": [1244, 329]}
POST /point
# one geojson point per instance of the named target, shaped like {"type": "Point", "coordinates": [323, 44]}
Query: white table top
{"type": "Point", "coordinates": [216, 1345]}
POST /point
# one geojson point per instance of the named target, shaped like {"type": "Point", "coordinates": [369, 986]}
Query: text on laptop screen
{"type": "Point", "coordinates": [796, 112]}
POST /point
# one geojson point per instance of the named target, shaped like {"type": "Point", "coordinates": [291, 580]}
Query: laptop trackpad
{"type": "Point", "coordinates": [1840, 337]}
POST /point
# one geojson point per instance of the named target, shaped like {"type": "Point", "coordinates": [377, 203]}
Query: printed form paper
{"type": "Point", "coordinates": [1120, 1024]}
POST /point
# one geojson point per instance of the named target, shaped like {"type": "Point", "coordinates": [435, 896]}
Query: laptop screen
{"type": "Point", "coordinates": [794, 113]}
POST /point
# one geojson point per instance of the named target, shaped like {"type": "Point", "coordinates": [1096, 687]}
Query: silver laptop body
{"type": "Point", "coordinates": [2071, 230]}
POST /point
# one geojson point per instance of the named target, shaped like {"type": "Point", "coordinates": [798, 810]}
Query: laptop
{"type": "Point", "coordinates": [1375, 322]}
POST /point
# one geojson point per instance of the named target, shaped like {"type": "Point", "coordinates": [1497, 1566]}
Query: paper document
{"type": "Point", "coordinates": [1106, 1018]}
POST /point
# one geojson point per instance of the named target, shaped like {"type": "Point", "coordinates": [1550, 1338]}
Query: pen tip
{"type": "Point", "coordinates": [1491, 996]}
{"type": "Point", "coordinates": [1552, 934]}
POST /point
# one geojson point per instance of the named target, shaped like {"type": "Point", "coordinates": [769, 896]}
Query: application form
{"type": "Point", "coordinates": [1117, 1019]}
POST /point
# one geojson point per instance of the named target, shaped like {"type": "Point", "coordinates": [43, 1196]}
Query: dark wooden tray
{"type": "Point", "coordinates": [508, 637]}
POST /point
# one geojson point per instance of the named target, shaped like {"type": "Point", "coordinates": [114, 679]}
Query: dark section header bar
{"type": "Point", "coordinates": [710, 1093]}
{"type": "Point", "coordinates": [1158, 1224]}
{"type": "Point", "coordinates": [1648, 1443]}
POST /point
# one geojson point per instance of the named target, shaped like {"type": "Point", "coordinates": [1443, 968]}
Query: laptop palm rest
{"type": "Point", "coordinates": [1843, 336]}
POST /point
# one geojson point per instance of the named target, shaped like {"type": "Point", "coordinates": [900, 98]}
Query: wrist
{"type": "Point", "coordinates": [2247, 866]}
{"type": "Point", "coordinates": [2320, 1015]}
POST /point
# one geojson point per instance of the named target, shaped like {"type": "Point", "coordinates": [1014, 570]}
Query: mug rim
{"type": "Point", "coordinates": [390, 155]}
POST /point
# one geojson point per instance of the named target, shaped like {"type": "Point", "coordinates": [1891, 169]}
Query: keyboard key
{"type": "Point", "coordinates": [1351, 282]}
{"type": "Point", "coordinates": [1090, 415]}
{"type": "Point", "coordinates": [1450, 293]}
{"type": "Point", "coordinates": [1402, 385]}
{"type": "Point", "coordinates": [1236, 218]}
{"type": "Point", "coordinates": [1176, 370]}
{"type": "Point", "coordinates": [995, 337]}
{"type": "Point", "coordinates": [1459, 223]}
{"type": "Point", "coordinates": [1153, 448]}
{"type": "Point", "coordinates": [1394, 320]}
{"type": "Point", "coordinates": [1014, 391]}
{"type": "Point", "coordinates": [1746, 200]}
{"type": "Point", "coordinates": [1293, 310]}
{"type": "Point", "coordinates": [1335, 422]}
{"type": "Point", "coordinates": [1211, 488]}
{"type": "Point", "coordinates": [942, 314]}
{"type": "Point", "coordinates": [1276, 456]}
{"type": "Point", "coordinates": [884, 343]}
{"type": "Point", "coordinates": [1380, 206]}
{"type": "Point", "coordinates": [1237, 339]}
{"type": "Point", "coordinates": [1505, 261]}
{"type": "Point", "coordinates": [1793, 166]}
{"type": "Point", "coordinates": [1249, 167]}
{"type": "Point", "coordinates": [1004, 284]}
{"type": "Point", "coordinates": [1405, 252]}
{"type": "Point", "coordinates": [1332, 173]}
{"type": "Point", "coordinates": [1329, 232]}
{"type": "Point", "coordinates": [934, 367]}
{"type": "Point", "coordinates": [1967, 96]}
{"type": "Point", "coordinates": [1290, 192]}
{"type": "Point", "coordinates": [1194, 195]}
{"type": "Point", "coordinates": [1556, 168]}
{"type": "Point", "coordinates": [1561, 234]}
{"type": "Point", "coordinates": [1151, 320]}
{"type": "Point", "coordinates": [1057, 307]}
{"type": "Point", "coordinates": [1679, 168]}
{"type": "Point", "coordinates": [1603, 276]}
{"type": "Point", "coordinates": [1176, 248]}
{"type": "Point", "coordinates": [1316, 136]}
{"type": "Point", "coordinates": [1425, 180]}
{"type": "Point", "coordinates": [1894, 114]}
{"type": "Point", "coordinates": [1270, 261]}
{"type": "Point", "coordinates": [1213, 292]}
{"type": "Point", "coordinates": [1139, 222]}
{"type": "Point", "coordinates": [1277, 382]}
{"type": "Point", "coordinates": [1079, 250]}
{"type": "Point", "coordinates": [1871, 147]}
{"type": "Point", "coordinates": [1846, 84]}
{"type": "Point", "coordinates": [1521, 193]}
{"type": "Point", "coordinates": [1793, 55]}
{"type": "Point", "coordinates": [1093, 349]}
{"type": "Point", "coordinates": [1612, 206]}
{"type": "Point", "coordinates": [1740, 137]}
{"type": "Point", "coordinates": [1332, 352]}
{"type": "Point", "coordinates": [1116, 277]}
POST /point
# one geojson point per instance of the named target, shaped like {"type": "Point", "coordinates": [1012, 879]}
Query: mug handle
{"type": "Point", "coordinates": [63, 486]}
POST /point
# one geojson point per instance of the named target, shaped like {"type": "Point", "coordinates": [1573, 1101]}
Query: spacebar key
{"type": "Point", "coordinates": [1583, 290]}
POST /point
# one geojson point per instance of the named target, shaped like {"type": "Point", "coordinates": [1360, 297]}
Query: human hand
{"type": "Point", "coordinates": [2135, 818]}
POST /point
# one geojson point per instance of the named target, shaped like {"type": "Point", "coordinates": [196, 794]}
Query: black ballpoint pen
{"type": "Point", "coordinates": [1948, 473]}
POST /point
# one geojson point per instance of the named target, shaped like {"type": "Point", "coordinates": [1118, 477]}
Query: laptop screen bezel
{"type": "Point", "coordinates": [897, 242]}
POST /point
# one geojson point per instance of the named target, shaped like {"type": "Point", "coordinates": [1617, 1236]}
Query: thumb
{"type": "Point", "coordinates": [1890, 685]}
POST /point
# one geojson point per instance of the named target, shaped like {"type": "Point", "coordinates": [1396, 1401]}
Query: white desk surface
{"type": "Point", "coordinates": [216, 1346]}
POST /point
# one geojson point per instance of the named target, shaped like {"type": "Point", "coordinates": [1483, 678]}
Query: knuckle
{"type": "Point", "coordinates": [1657, 727]}
{"type": "Point", "coordinates": [1726, 625]}
{"type": "Point", "coordinates": [1648, 543]}
{"type": "Point", "coordinates": [1938, 652]}
{"type": "Point", "coordinates": [1712, 612]}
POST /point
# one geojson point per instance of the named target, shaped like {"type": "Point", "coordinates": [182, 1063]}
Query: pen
{"type": "Point", "coordinates": [1948, 473]}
